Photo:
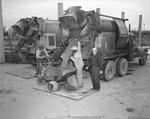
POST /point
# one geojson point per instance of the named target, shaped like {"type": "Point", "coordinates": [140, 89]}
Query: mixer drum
{"type": "Point", "coordinates": [119, 28]}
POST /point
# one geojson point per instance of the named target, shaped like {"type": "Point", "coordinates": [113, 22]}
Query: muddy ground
{"type": "Point", "coordinates": [125, 97]}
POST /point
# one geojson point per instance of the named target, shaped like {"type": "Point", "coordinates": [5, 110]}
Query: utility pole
{"type": "Point", "coordinates": [2, 54]}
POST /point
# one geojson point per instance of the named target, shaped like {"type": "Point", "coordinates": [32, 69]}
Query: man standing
{"type": "Point", "coordinates": [96, 65]}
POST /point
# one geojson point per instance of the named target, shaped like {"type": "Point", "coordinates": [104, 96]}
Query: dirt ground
{"type": "Point", "coordinates": [125, 97]}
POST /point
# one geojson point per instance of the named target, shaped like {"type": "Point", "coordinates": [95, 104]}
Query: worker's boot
{"type": "Point", "coordinates": [37, 73]}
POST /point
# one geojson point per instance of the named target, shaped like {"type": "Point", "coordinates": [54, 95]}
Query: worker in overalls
{"type": "Point", "coordinates": [40, 53]}
{"type": "Point", "coordinates": [96, 66]}
{"type": "Point", "coordinates": [78, 61]}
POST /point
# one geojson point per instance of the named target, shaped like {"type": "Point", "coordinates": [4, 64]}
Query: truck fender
{"type": "Point", "coordinates": [141, 50]}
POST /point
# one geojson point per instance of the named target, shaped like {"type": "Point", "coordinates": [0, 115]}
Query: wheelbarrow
{"type": "Point", "coordinates": [54, 76]}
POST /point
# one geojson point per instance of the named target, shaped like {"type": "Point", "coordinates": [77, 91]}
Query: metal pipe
{"type": "Point", "coordinates": [2, 54]}
{"type": "Point", "coordinates": [60, 9]}
{"type": "Point", "coordinates": [112, 17]}
{"type": "Point", "coordinates": [123, 15]}
{"type": "Point", "coordinates": [98, 10]}
{"type": "Point", "coordinates": [140, 30]}
{"type": "Point", "coordinates": [129, 27]}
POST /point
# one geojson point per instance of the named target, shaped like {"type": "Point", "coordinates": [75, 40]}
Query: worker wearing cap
{"type": "Point", "coordinates": [96, 65]}
{"type": "Point", "coordinates": [40, 53]}
{"type": "Point", "coordinates": [78, 61]}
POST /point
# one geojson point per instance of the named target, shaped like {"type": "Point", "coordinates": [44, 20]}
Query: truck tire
{"type": "Point", "coordinates": [122, 67]}
{"type": "Point", "coordinates": [52, 86]}
{"type": "Point", "coordinates": [108, 70]}
{"type": "Point", "coordinates": [143, 59]}
{"type": "Point", "coordinates": [116, 61]}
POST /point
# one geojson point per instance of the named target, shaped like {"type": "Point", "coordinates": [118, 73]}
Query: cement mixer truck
{"type": "Point", "coordinates": [109, 34]}
{"type": "Point", "coordinates": [34, 31]}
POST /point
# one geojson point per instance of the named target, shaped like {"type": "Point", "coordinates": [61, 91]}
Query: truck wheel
{"type": "Point", "coordinates": [109, 71]}
{"type": "Point", "coordinates": [116, 61]}
{"type": "Point", "coordinates": [40, 81]}
{"type": "Point", "coordinates": [52, 86]}
{"type": "Point", "coordinates": [143, 59]}
{"type": "Point", "coordinates": [122, 67]}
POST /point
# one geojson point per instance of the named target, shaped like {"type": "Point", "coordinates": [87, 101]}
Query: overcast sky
{"type": "Point", "coordinates": [13, 10]}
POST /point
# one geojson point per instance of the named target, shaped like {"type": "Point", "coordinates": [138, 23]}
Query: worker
{"type": "Point", "coordinates": [40, 54]}
{"type": "Point", "coordinates": [78, 62]}
{"type": "Point", "coordinates": [31, 47]}
{"type": "Point", "coordinates": [96, 69]}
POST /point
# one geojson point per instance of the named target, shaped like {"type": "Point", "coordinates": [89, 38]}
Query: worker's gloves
{"type": "Point", "coordinates": [101, 72]}
{"type": "Point", "coordinates": [86, 68]}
